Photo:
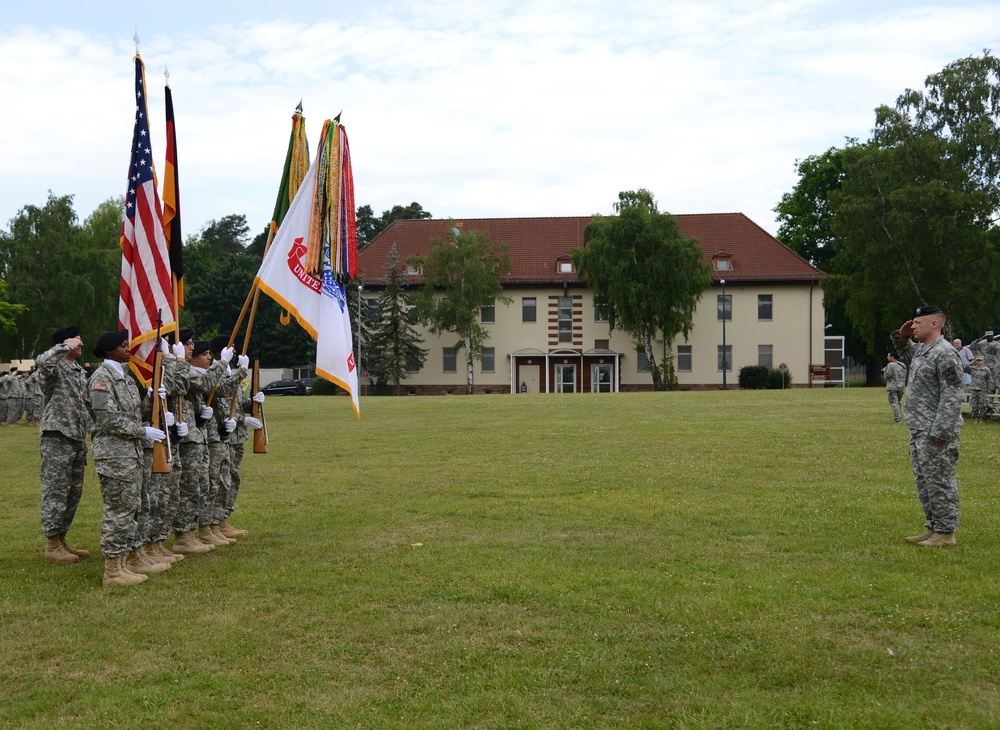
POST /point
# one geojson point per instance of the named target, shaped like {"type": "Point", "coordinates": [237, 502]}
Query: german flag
{"type": "Point", "coordinates": [172, 206]}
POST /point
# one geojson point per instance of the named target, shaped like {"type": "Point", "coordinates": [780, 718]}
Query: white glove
{"type": "Point", "coordinates": [149, 392]}
{"type": "Point", "coordinates": [258, 397]}
{"type": "Point", "coordinates": [243, 361]}
{"type": "Point", "coordinates": [154, 434]}
{"type": "Point", "coordinates": [230, 424]}
{"type": "Point", "coordinates": [163, 391]}
{"type": "Point", "coordinates": [179, 351]}
{"type": "Point", "coordinates": [182, 429]}
{"type": "Point", "coordinates": [169, 417]}
{"type": "Point", "coordinates": [227, 354]}
{"type": "Point", "coordinates": [164, 347]}
{"type": "Point", "coordinates": [206, 413]}
{"type": "Point", "coordinates": [252, 422]}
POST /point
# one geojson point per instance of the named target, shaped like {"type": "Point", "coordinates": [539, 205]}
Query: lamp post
{"type": "Point", "coordinates": [725, 364]}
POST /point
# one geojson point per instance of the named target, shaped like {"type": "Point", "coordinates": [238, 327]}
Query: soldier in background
{"type": "Point", "coordinates": [20, 390]}
{"type": "Point", "coordinates": [10, 395]}
{"type": "Point", "coordinates": [6, 381]}
{"type": "Point", "coordinates": [115, 408]}
{"type": "Point", "coordinates": [934, 417]}
{"type": "Point", "coordinates": [62, 441]}
{"type": "Point", "coordinates": [33, 399]}
{"type": "Point", "coordinates": [895, 383]}
{"type": "Point", "coordinates": [981, 385]}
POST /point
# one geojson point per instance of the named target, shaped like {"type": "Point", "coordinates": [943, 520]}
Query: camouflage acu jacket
{"type": "Point", "coordinates": [935, 387]}
{"type": "Point", "coordinates": [63, 384]}
{"type": "Point", "coordinates": [116, 409]}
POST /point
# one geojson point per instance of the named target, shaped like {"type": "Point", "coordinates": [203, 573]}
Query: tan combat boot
{"type": "Point", "coordinates": [167, 555]}
{"type": "Point", "coordinates": [137, 562]}
{"type": "Point", "coordinates": [229, 531]}
{"type": "Point", "coordinates": [150, 551]}
{"type": "Point", "coordinates": [70, 549]}
{"type": "Point", "coordinates": [56, 553]}
{"type": "Point", "coordinates": [914, 539]}
{"type": "Point", "coordinates": [217, 531]}
{"type": "Point", "coordinates": [207, 536]}
{"type": "Point", "coordinates": [115, 573]}
{"type": "Point", "coordinates": [939, 539]}
{"type": "Point", "coordinates": [186, 543]}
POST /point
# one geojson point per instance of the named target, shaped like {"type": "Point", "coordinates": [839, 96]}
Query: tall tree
{"type": "Point", "coordinates": [647, 274]}
{"type": "Point", "coordinates": [394, 348]}
{"type": "Point", "coordinates": [461, 273]}
{"type": "Point", "coordinates": [227, 235]}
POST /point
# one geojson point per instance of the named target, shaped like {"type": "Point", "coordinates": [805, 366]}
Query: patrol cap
{"type": "Point", "coordinates": [60, 336]}
{"type": "Point", "coordinates": [218, 342]}
{"type": "Point", "coordinates": [978, 358]}
{"type": "Point", "coordinates": [108, 341]}
{"type": "Point", "coordinates": [925, 309]}
{"type": "Point", "coordinates": [200, 346]}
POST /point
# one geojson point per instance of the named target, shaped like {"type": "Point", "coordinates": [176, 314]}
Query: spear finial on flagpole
{"type": "Point", "coordinates": [136, 39]}
{"type": "Point", "coordinates": [298, 109]}
{"type": "Point", "coordinates": [336, 119]}
{"type": "Point", "coordinates": [166, 74]}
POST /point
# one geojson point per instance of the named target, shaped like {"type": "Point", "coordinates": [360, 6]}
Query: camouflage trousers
{"type": "Point", "coordinates": [979, 400]}
{"type": "Point", "coordinates": [235, 461]}
{"type": "Point", "coordinates": [167, 493]}
{"type": "Point", "coordinates": [33, 408]}
{"type": "Point", "coordinates": [895, 398]}
{"type": "Point", "coordinates": [11, 409]}
{"type": "Point", "coordinates": [218, 487]}
{"type": "Point", "coordinates": [121, 486]}
{"type": "Point", "coordinates": [63, 462]}
{"type": "Point", "coordinates": [193, 485]}
{"type": "Point", "coordinates": [934, 473]}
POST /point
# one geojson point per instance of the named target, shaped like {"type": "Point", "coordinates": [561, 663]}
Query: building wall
{"type": "Point", "coordinates": [794, 316]}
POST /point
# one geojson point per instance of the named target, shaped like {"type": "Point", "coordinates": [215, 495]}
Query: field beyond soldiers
{"type": "Point", "coordinates": [677, 560]}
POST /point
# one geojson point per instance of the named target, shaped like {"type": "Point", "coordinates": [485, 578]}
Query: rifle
{"type": "Point", "coordinates": [257, 409]}
{"type": "Point", "coordinates": [161, 449]}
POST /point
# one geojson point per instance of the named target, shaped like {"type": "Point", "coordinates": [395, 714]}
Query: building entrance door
{"type": "Point", "coordinates": [565, 378]}
{"type": "Point", "coordinates": [600, 378]}
{"type": "Point", "coordinates": [528, 375]}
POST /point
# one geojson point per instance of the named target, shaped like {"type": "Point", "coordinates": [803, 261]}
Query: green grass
{"type": "Point", "coordinates": [679, 560]}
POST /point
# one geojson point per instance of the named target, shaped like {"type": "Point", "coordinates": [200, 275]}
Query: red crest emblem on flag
{"type": "Point", "coordinates": [350, 363]}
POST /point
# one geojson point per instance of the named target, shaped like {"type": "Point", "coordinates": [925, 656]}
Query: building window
{"type": "Point", "coordinates": [723, 264]}
{"type": "Point", "coordinates": [725, 360]}
{"type": "Point", "coordinates": [412, 269]}
{"type": "Point", "coordinates": [764, 304]}
{"type": "Point", "coordinates": [371, 310]}
{"type": "Point", "coordinates": [566, 267]}
{"type": "Point", "coordinates": [488, 361]}
{"type": "Point", "coordinates": [529, 309]}
{"type": "Point", "coordinates": [724, 304]}
{"type": "Point", "coordinates": [602, 344]}
{"type": "Point", "coordinates": [450, 362]}
{"type": "Point", "coordinates": [412, 366]}
{"type": "Point", "coordinates": [684, 358]}
{"type": "Point", "coordinates": [600, 312]}
{"type": "Point", "coordinates": [565, 319]}
{"type": "Point", "coordinates": [488, 312]}
{"type": "Point", "coordinates": [641, 362]}
{"type": "Point", "coordinates": [765, 355]}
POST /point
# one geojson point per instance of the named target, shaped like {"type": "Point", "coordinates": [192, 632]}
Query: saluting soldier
{"type": "Point", "coordinates": [934, 417]}
{"type": "Point", "coordinates": [62, 441]}
{"type": "Point", "coordinates": [33, 399]}
{"type": "Point", "coordinates": [895, 383]}
{"type": "Point", "coordinates": [115, 408]}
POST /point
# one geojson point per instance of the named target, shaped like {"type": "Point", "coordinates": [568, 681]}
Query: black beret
{"type": "Point", "coordinates": [108, 341]}
{"type": "Point", "coordinates": [218, 342]}
{"type": "Point", "coordinates": [186, 335]}
{"type": "Point", "coordinates": [200, 346]}
{"type": "Point", "coordinates": [926, 309]}
{"type": "Point", "coordinates": [60, 336]}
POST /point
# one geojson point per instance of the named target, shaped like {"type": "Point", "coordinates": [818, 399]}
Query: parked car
{"type": "Point", "coordinates": [284, 387]}
{"type": "Point", "coordinates": [308, 382]}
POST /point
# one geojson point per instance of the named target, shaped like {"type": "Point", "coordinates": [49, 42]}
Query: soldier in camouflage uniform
{"type": "Point", "coordinates": [237, 443]}
{"type": "Point", "coordinates": [219, 433]}
{"type": "Point", "coordinates": [934, 417]}
{"type": "Point", "coordinates": [982, 385]}
{"type": "Point", "coordinates": [6, 382]}
{"type": "Point", "coordinates": [192, 509]}
{"type": "Point", "coordinates": [118, 435]}
{"type": "Point", "coordinates": [33, 401]}
{"type": "Point", "coordinates": [62, 441]}
{"type": "Point", "coordinates": [895, 383]}
{"type": "Point", "coordinates": [10, 394]}
{"type": "Point", "coordinates": [20, 391]}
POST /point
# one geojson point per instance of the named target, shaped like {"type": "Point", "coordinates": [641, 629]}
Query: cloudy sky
{"type": "Point", "coordinates": [492, 109]}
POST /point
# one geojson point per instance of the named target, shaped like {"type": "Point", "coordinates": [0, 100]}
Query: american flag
{"type": "Point", "coordinates": [146, 289]}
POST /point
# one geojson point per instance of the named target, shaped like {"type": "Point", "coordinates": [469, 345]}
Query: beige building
{"type": "Point", "coordinates": [552, 338]}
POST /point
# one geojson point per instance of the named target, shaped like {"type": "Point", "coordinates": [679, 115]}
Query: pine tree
{"type": "Point", "coordinates": [394, 348]}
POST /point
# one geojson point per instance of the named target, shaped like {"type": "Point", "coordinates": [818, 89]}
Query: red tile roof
{"type": "Point", "coordinates": [536, 244]}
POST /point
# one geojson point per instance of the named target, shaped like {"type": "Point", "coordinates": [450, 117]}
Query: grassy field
{"type": "Point", "coordinates": [681, 560]}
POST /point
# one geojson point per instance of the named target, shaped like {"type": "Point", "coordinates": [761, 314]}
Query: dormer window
{"type": "Point", "coordinates": [722, 262]}
{"type": "Point", "coordinates": [412, 269]}
{"type": "Point", "coordinates": [565, 267]}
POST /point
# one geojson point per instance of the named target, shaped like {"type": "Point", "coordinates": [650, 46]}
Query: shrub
{"type": "Point", "coordinates": [774, 379]}
{"type": "Point", "coordinates": [755, 377]}
{"type": "Point", "coordinates": [325, 387]}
